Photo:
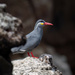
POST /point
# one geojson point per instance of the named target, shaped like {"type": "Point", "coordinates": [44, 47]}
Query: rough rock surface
{"type": "Point", "coordinates": [10, 27]}
{"type": "Point", "coordinates": [58, 60]}
{"type": "Point", "coordinates": [10, 36]}
{"type": "Point", "coordinates": [32, 66]}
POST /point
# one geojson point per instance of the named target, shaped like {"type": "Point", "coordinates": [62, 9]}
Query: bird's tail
{"type": "Point", "coordinates": [17, 50]}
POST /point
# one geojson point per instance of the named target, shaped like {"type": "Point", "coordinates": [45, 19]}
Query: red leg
{"type": "Point", "coordinates": [28, 54]}
{"type": "Point", "coordinates": [33, 55]}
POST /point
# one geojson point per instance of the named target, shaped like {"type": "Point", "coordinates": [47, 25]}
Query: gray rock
{"type": "Point", "coordinates": [46, 58]}
{"type": "Point", "coordinates": [59, 61]}
{"type": "Point", "coordinates": [2, 6]}
{"type": "Point", "coordinates": [32, 66]}
{"type": "Point", "coordinates": [10, 27]}
{"type": "Point", "coordinates": [10, 35]}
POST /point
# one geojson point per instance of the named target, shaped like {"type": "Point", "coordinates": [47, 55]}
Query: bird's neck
{"type": "Point", "coordinates": [39, 30]}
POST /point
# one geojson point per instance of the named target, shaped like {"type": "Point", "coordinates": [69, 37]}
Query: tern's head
{"type": "Point", "coordinates": [41, 23]}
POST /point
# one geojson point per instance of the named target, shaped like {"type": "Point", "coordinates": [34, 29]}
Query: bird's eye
{"type": "Point", "coordinates": [42, 23]}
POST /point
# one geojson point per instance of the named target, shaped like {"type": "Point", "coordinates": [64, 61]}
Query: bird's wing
{"type": "Point", "coordinates": [30, 34]}
{"type": "Point", "coordinates": [32, 42]}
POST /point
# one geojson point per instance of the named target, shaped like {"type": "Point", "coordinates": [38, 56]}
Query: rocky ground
{"type": "Point", "coordinates": [33, 66]}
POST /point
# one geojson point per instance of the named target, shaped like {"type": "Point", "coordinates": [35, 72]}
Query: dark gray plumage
{"type": "Point", "coordinates": [32, 39]}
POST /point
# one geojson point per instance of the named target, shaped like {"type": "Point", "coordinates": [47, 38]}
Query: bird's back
{"type": "Point", "coordinates": [33, 40]}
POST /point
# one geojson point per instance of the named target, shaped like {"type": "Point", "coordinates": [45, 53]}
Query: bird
{"type": "Point", "coordinates": [33, 39]}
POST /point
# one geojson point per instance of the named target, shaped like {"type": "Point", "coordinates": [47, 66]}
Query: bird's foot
{"type": "Point", "coordinates": [33, 55]}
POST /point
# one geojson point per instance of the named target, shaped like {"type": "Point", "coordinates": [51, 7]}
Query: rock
{"type": "Point", "coordinates": [5, 67]}
{"type": "Point", "coordinates": [10, 36]}
{"type": "Point", "coordinates": [10, 28]}
{"type": "Point", "coordinates": [60, 61]}
{"type": "Point", "coordinates": [32, 66]}
{"type": "Point", "coordinates": [11, 33]}
{"type": "Point", "coordinates": [47, 58]}
{"type": "Point", "coordinates": [2, 7]}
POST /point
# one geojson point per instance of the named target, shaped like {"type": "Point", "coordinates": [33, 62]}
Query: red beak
{"type": "Point", "coordinates": [46, 23]}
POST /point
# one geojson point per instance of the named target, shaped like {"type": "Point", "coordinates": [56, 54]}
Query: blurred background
{"type": "Point", "coordinates": [58, 40]}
